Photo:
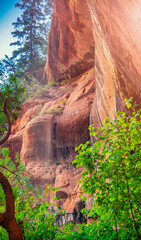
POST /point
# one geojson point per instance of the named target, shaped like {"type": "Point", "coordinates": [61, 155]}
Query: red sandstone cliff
{"type": "Point", "coordinates": [94, 53]}
{"type": "Point", "coordinates": [116, 28]}
{"type": "Point", "coordinates": [71, 43]}
{"type": "Point", "coordinates": [48, 130]}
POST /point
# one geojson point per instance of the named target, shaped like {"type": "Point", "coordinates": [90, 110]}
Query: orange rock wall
{"type": "Point", "coordinates": [116, 28]}
{"type": "Point", "coordinates": [103, 37]}
{"type": "Point", "coordinates": [49, 128]}
{"type": "Point", "coordinates": [68, 52]}
{"type": "Point", "coordinates": [117, 35]}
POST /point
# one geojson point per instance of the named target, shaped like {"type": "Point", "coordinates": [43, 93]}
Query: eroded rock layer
{"type": "Point", "coordinates": [48, 130]}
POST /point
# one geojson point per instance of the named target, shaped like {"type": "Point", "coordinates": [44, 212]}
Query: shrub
{"type": "Point", "coordinates": [63, 101]}
{"type": "Point", "coordinates": [112, 172]}
{"type": "Point", "coordinates": [29, 207]}
{"type": "Point", "coordinates": [51, 109]}
{"type": "Point", "coordinates": [111, 177]}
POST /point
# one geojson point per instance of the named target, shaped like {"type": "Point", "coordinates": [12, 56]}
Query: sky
{"type": "Point", "coordinates": [8, 14]}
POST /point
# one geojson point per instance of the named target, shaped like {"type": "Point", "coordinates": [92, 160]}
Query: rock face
{"type": "Point", "coordinates": [62, 123]}
{"type": "Point", "coordinates": [116, 43]}
{"type": "Point", "coordinates": [48, 130]}
{"type": "Point", "coordinates": [68, 52]}
{"type": "Point", "coordinates": [117, 35]}
{"type": "Point", "coordinates": [94, 56]}
{"type": "Point", "coordinates": [37, 140]}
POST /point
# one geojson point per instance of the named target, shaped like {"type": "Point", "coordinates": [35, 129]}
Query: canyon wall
{"type": "Point", "coordinates": [47, 131]}
{"type": "Point", "coordinates": [94, 60]}
{"type": "Point", "coordinates": [117, 35]}
{"type": "Point", "coordinates": [71, 43]}
{"type": "Point", "coordinates": [116, 28]}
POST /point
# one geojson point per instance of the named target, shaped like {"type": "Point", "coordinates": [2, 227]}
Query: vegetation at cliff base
{"type": "Point", "coordinates": [111, 178]}
{"type": "Point", "coordinates": [31, 210]}
{"type": "Point", "coordinates": [112, 174]}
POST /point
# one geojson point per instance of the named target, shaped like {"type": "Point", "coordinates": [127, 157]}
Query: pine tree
{"type": "Point", "coordinates": [28, 33]}
{"type": "Point", "coordinates": [48, 8]}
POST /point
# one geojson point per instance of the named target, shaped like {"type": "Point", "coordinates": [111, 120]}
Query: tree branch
{"type": "Point", "coordinates": [12, 172]}
{"type": "Point", "coordinates": [9, 211]}
{"type": "Point", "coordinates": [7, 219]}
{"type": "Point", "coordinates": [4, 139]}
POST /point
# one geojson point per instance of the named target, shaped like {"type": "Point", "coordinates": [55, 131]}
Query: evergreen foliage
{"type": "Point", "coordinates": [31, 29]}
{"type": "Point", "coordinates": [28, 30]}
{"type": "Point", "coordinates": [12, 91]}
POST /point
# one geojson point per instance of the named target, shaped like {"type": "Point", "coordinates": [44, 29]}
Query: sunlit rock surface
{"type": "Point", "coordinates": [116, 28]}
{"type": "Point", "coordinates": [117, 35]}
{"type": "Point", "coordinates": [103, 37]}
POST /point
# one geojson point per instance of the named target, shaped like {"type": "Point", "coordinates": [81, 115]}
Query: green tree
{"type": "Point", "coordinates": [28, 29]}
{"type": "Point", "coordinates": [30, 208]}
{"type": "Point", "coordinates": [10, 102]}
{"type": "Point", "coordinates": [9, 110]}
{"type": "Point", "coordinates": [48, 9]}
{"type": "Point", "coordinates": [112, 172]}
{"type": "Point", "coordinates": [8, 65]}
{"type": "Point", "coordinates": [9, 68]}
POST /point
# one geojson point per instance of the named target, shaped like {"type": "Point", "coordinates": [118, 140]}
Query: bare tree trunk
{"type": "Point", "coordinates": [7, 219]}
